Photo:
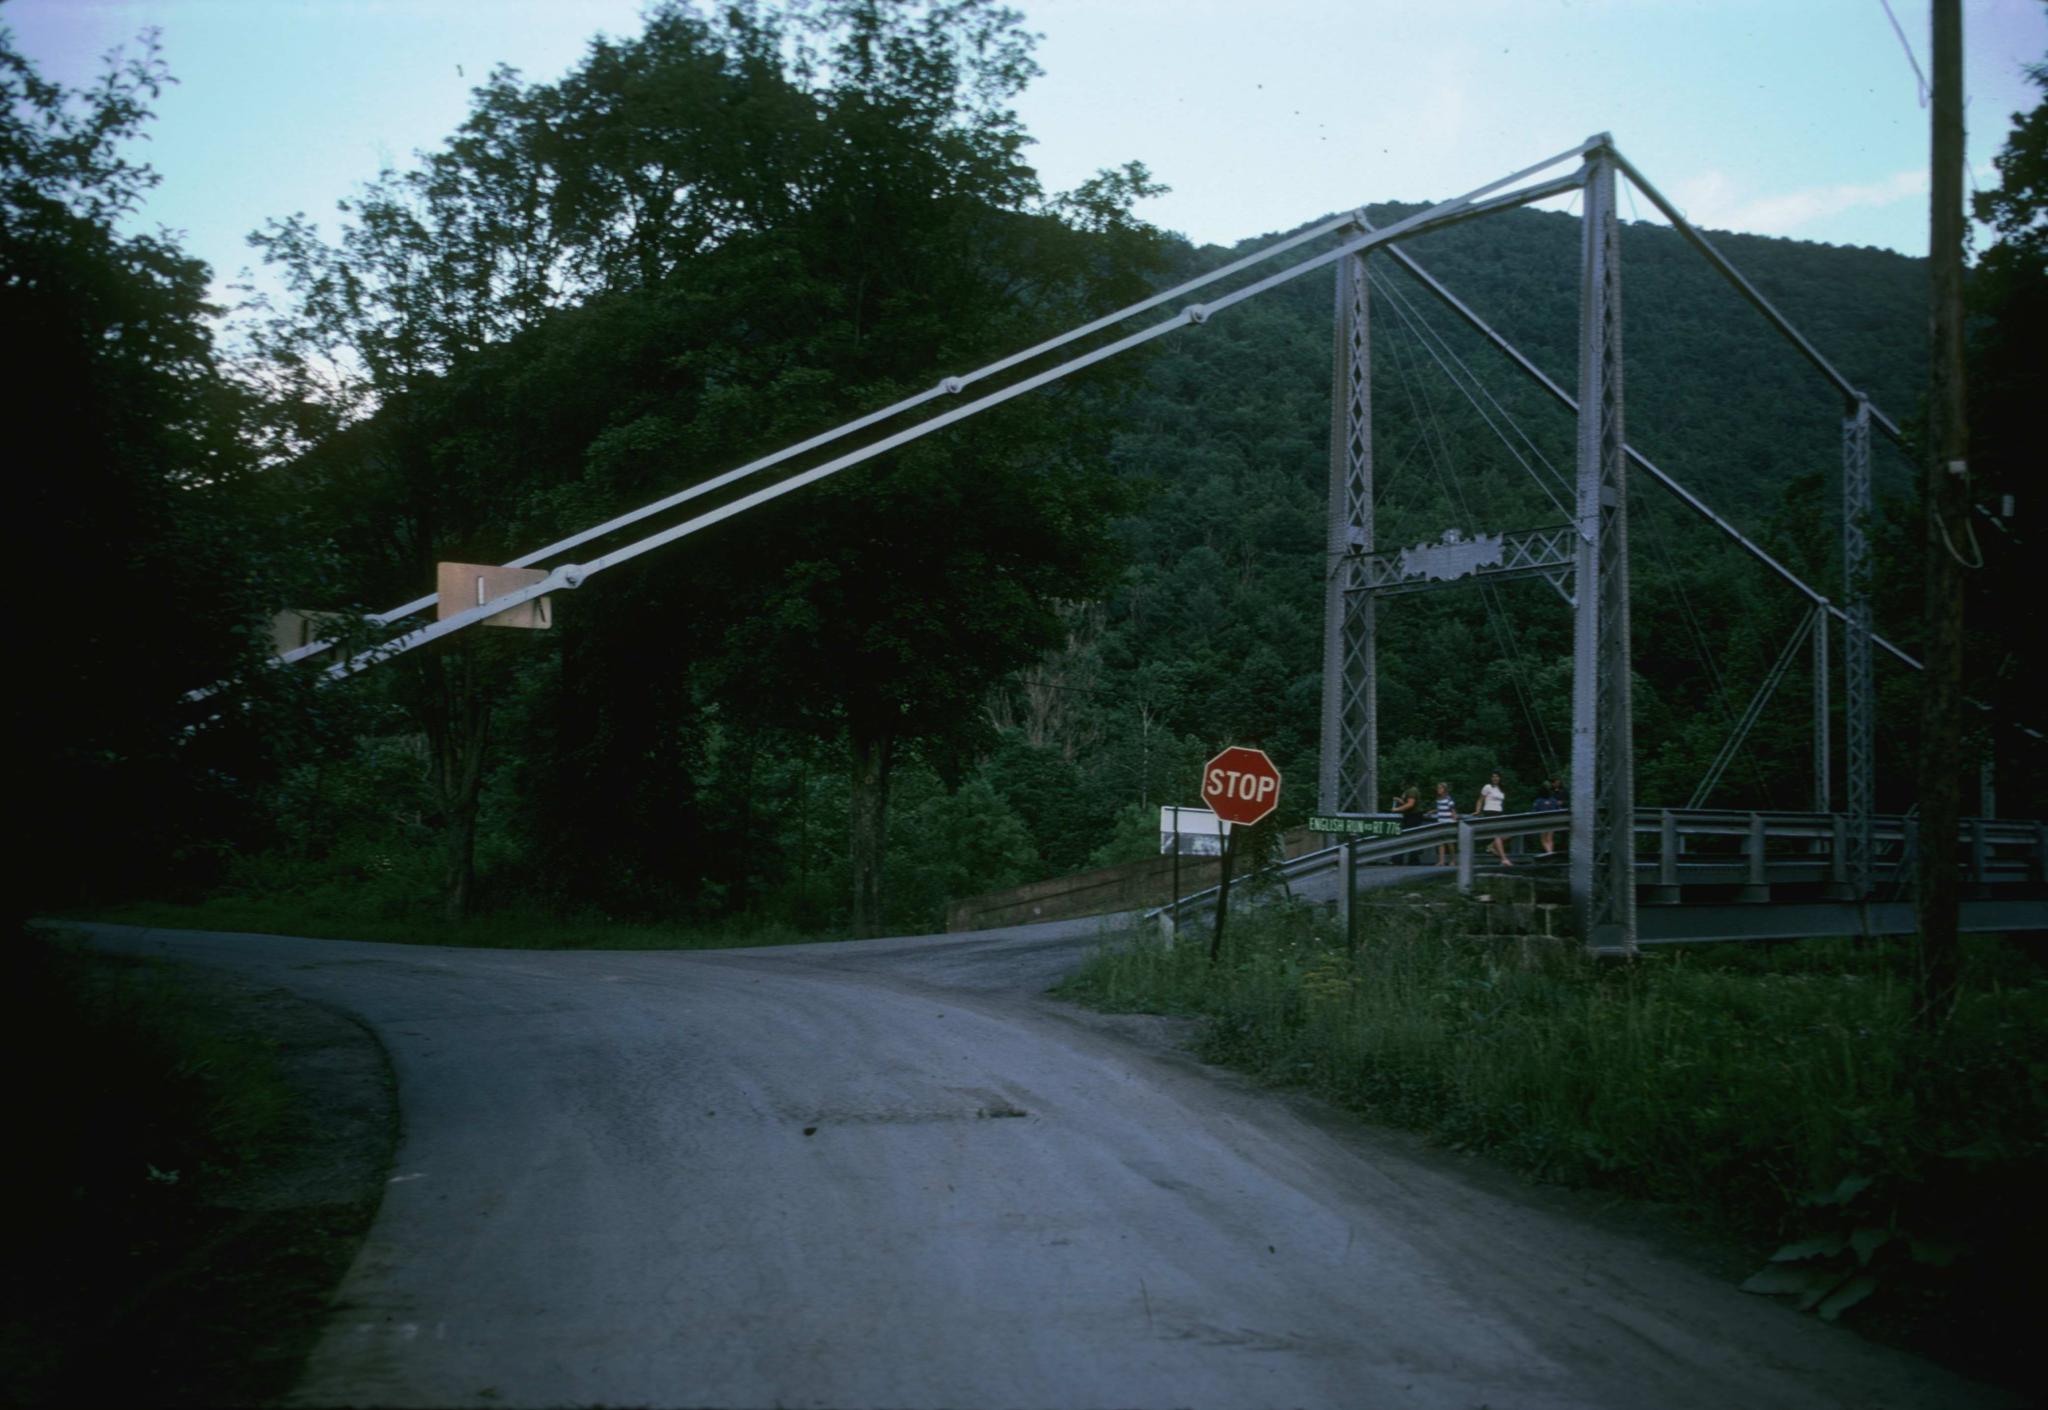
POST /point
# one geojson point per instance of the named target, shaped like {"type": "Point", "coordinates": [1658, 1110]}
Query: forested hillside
{"type": "Point", "coordinates": [1209, 631]}
{"type": "Point", "coordinates": [1214, 632]}
{"type": "Point", "coordinates": [978, 660]}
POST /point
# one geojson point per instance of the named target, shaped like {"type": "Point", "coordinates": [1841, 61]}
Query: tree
{"type": "Point", "coordinates": [754, 225]}
{"type": "Point", "coordinates": [2008, 365]}
{"type": "Point", "coordinates": [135, 513]}
{"type": "Point", "coordinates": [2014, 207]}
{"type": "Point", "coordinates": [885, 604]}
{"type": "Point", "coordinates": [437, 270]}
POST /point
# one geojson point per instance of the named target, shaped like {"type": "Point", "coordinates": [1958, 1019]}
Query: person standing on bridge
{"type": "Point", "coordinates": [1492, 803]}
{"type": "Point", "coordinates": [1445, 810]}
{"type": "Point", "coordinates": [1408, 805]}
{"type": "Point", "coordinates": [1552, 801]}
{"type": "Point", "coordinates": [1408, 808]}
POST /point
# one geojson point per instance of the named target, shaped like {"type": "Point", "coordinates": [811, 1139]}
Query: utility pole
{"type": "Point", "coordinates": [1947, 537]}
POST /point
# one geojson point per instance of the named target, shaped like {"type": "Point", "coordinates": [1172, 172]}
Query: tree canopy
{"type": "Point", "coordinates": [138, 527]}
{"type": "Point", "coordinates": [726, 234]}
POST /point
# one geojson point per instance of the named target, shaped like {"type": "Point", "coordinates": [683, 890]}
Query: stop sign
{"type": "Point", "coordinates": [1241, 785]}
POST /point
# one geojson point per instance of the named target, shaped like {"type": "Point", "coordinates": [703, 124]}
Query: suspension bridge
{"type": "Point", "coordinates": [1637, 874]}
{"type": "Point", "coordinates": [1864, 861]}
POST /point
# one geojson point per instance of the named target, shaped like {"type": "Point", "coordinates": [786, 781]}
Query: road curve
{"type": "Point", "coordinates": [894, 1174]}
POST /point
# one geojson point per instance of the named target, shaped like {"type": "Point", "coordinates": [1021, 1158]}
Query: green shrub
{"type": "Point", "coordinates": [1781, 1093]}
{"type": "Point", "coordinates": [133, 1109]}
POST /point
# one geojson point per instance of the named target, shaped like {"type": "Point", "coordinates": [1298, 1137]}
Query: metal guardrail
{"type": "Point", "coordinates": [1307, 864]}
{"type": "Point", "coordinates": [1388, 849]}
{"type": "Point", "coordinates": [1748, 851]}
{"type": "Point", "coordinates": [1755, 851]}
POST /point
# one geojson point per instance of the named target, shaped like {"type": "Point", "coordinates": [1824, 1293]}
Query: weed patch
{"type": "Point", "coordinates": [1780, 1094]}
{"type": "Point", "coordinates": [144, 1266]}
{"type": "Point", "coordinates": [336, 915]}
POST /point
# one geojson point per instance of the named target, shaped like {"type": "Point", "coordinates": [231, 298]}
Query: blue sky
{"type": "Point", "coordinates": [1785, 117]}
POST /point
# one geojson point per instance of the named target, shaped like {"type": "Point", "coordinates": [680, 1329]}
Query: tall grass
{"type": "Point", "coordinates": [511, 928]}
{"type": "Point", "coordinates": [133, 1104]}
{"type": "Point", "coordinates": [367, 891]}
{"type": "Point", "coordinates": [1776, 1092]}
{"type": "Point", "coordinates": [121, 1073]}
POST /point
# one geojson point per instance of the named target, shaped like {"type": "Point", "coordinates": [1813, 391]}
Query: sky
{"type": "Point", "coordinates": [1800, 118]}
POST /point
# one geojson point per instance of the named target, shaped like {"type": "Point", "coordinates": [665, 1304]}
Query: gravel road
{"type": "Point", "coordinates": [895, 1174]}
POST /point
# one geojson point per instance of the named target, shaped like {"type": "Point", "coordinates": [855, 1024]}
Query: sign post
{"type": "Point", "coordinates": [1186, 829]}
{"type": "Point", "coordinates": [1241, 786]}
{"type": "Point", "coordinates": [1347, 888]}
{"type": "Point", "coordinates": [1352, 828]}
{"type": "Point", "coordinates": [1173, 925]}
{"type": "Point", "coordinates": [1223, 896]}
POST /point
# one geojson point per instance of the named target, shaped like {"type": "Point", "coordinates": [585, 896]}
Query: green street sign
{"type": "Point", "coordinates": [1354, 825]}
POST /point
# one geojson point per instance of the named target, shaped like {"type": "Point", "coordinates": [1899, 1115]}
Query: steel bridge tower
{"type": "Point", "coordinates": [1595, 553]}
{"type": "Point", "coordinates": [1348, 780]}
{"type": "Point", "coordinates": [1860, 707]}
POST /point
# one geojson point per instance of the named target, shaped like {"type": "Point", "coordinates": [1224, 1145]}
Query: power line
{"type": "Point", "coordinates": [1907, 45]}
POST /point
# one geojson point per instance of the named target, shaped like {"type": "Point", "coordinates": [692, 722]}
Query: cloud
{"type": "Point", "coordinates": [1712, 199]}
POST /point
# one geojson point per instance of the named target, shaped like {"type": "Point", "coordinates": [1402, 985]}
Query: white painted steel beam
{"type": "Point", "coordinates": [1467, 207]}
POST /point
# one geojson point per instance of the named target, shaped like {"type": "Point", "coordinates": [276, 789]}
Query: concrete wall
{"type": "Point", "coordinates": [1126, 887]}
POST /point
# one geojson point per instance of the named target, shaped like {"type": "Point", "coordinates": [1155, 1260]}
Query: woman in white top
{"type": "Point", "coordinates": [1493, 800]}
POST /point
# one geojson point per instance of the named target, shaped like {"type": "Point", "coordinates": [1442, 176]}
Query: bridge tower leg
{"type": "Point", "coordinates": [1823, 795]}
{"type": "Point", "coordinates": [1858, 705]}
{"type": "Point", "coordinates": [1348, 777]}
{"type": "Point", "coordinates": [1603, 743]}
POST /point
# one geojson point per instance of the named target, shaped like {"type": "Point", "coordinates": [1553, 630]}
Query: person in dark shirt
{"type": "Point", "coordinates": [1552, 801]}
{"type": "Point", "coordinates": [1409, 805]}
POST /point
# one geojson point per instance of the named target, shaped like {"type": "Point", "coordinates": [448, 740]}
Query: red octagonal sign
{"type": "Point", "coordinates": [1241, 785]}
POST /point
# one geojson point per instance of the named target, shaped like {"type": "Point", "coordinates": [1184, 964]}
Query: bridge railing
{"type": "Point", "coordinates": [1391, 849]}
{"type": "Point", "coordinates": [1753, 851]}
{"type": "Point", "coordinates": [1746, 852]}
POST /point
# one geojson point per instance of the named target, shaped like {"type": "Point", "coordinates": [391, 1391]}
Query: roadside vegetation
{"type": "Point", "coordinates": [1780, 1095]}
{"type": "Point", "coordinates": [150, 1260]}
{"type": "Point", "coordinates": [346, 915]}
